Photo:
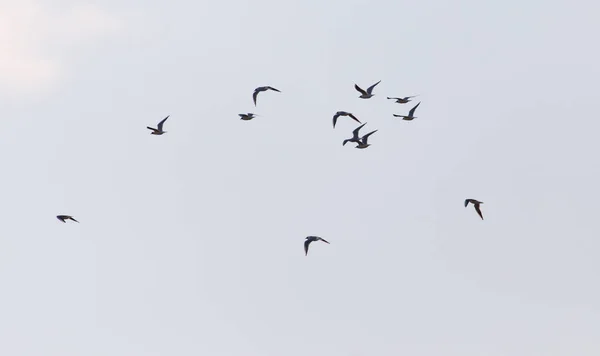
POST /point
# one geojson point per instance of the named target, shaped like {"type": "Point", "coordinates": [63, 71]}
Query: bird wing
{"type": "Point", "coordinates": [274, 89]}
{"type": "Point", "coordinates": [393, 98]}
{"type": "Point", "coordinates": [478, 211]}
{"type": "Point", "coordinates": [160, 124]}
{"type": "Point", "coordinates": [467, 202]}
{"type": "Point", "coordinates": [255, 95]}
{"type": "Point", "coordinates": [355, 132]}
{"type": "Point", "coordinates": [354, 117]}
{"type": "Point", "coordinates": [322, 239]}
{"type": "Point", "coordinates": [370, 89]}
{"type": "Point", "coordinates": [365, 138]}
{"type": "Point", "coordinates": [150, 128]}
{"type": "Point", "coordinates": [70, 217]}
{"type": "Point", "coordinates": [335, 117]}
{"type": "Point", "coordinates": [306, 243]}
{"type": "Point", "coordinates": [412, 111]}
{"type": "Point", "coordinates": [61, 218]}
{"type": "Point", "coordinates": [396, 115]}
{"type": "Point", "coordinates": [360, 90]}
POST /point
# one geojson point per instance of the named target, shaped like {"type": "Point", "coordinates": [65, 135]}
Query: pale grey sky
{"type": "Point", "coordinates": [190, 243]}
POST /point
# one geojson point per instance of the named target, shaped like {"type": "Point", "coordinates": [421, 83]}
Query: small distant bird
{"type": "Point", "coordinates": [366, 94]}
{"type": "Point", "coordinates": [343, 113]}
{"type": "Point", "coordinates": [65, 217]}
{"type": "Point", "coordinates": [259, 89]}
{"type": "Point", "coordinates": [363, 141]}
{"type": "Point", "coordinates": [404, 100]}
{"type": "Point", "coordinates": [476, 205]}
{"type": "Point", "coordinates": [355, 137]}
{"type": "Point", "coordinates": [410, 113]}
{"type": "Point", "coordinates": [159, 130]}
{"type": "Point", "coordinates": [310, 239]}
{"type": "Point", "coordinates": [248, 116]}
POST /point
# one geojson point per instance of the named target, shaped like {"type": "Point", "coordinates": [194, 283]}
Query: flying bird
{"type": "Point", "coordinates": [310, 239]}
{"type": "Point", "coordinates": [363, 141]}
{"type": "Point", "coordinates": [259, 89]}
{"type": "Point", "coordinates": [404, 100]}
{"type": "Point", "coordinates": [476, 205]}
{"type": "Point", "coordinates": [159, 130]}
{"type": "Point", "coordinates": [343, 113]}
{"type": "Point", "coordinates": [248, 116]}
{"type": "Point", "coordinates": [411, 113]}
{"type": "Point", "coordinates": [366, 94]}
{"type": "Point", "coordinates": [355, 137]}
{"type": "Point", "coordinates": [65, 217]}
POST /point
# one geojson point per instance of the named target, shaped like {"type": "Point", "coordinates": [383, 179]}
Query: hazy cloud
{"type": "Point", "coordinates": [29, 29]}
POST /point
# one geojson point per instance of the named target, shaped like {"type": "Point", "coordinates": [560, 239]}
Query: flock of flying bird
{"type": "Point", "coordinates": [362, 142]}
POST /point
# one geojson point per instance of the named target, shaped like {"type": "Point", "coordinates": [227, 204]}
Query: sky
{"type": "Point", "coordinates": [191, 243]}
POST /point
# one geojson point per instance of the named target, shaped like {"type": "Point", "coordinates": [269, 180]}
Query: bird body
{"type": "Point", "coordinates": [343, 113]}
{"type": "Point", "coordinates": [366, 94]}
{"type": "Point", "coordinates": [476, 204]}
{"type": "Point", "coordinates": [159, 129]}
{"type": "Point", "coordinates": [63, 218]}
{"type": "Point", "coordinates": [410, 115]}
{"type": "Point", "coordinates": [310, 239]}
{"type": "Point", "coordinates": [259, 89]}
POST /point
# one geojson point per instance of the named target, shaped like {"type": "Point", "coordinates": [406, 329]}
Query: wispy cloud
{"type": "Point", "coordinates": [29, 29]}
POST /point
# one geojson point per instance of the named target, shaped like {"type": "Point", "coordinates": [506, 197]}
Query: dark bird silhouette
{"type": "Point", "coordinates": [355, 137]}
{"type": "Point", "coordinates": [248, 116]}
{"type": "Point", "coordinates": [411, 113]}
{"type": "Point", "coordinates": [366, 94]}
{"type": "Point", "coordinates": [476, 205]}
{"type": "Point", "coordinates": [259, 89]}
{"type": "Point", "coordinates": [65, 217]}
{"type": "Point", "coordinates": [159, 130]}
{"type": "Point", "coordinates": [343, 113]}
{"type": "Point", "coordinates": [363, 140]}
{"type": "Point", "coordinates": [404, 100]}
{"type": "Point", "coordinates": [310, 239]}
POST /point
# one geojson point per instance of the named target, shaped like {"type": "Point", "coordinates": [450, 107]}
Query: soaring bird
{"type": "Point", "coordinates": [355, 137]}
{"type": "Point", "coordinates": [343, 113]}
{"type": "Point", "coordinates": [476, 205]}
{"type": "Point", "coordinates": [404, 100]}
{"type": "Point", "coordinates": [65, 217]}
{"type": "Point", "coordinates": [310, 239]}
{"type": "Point", "coordinates": [259, 89]}
{"type": "Point", "coordinates": [159, 130]}
{"type": "Point", "coordinates": [363, 141]}
{"type": "Point", "coordinates": [410, 113]}
{"type": "Point", "coordinates": [248, 116]}
{"type": "Point", "coordinates": [366, 94]}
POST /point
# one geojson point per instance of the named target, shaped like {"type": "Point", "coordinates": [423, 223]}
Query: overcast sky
{"type": "Point", "coordinates": [191, 243]}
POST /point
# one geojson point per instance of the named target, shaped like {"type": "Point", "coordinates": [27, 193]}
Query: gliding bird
{"type": "Point", "coordinates": [343, 113]}
{"type": "Point", "coordinates": [310, 239]}
{"type": "Point", "coordinates": [259, 89]}
{"type": "Point", "coordinates": [65, 217]}
{"type": "Point", "coordinates": [404, 100]}
{"type": "Point", "coordinates": [363, 141]}
{"type": "Point", "coordinates": [159, 130]}
{"type": "Point", "coordinates": [355, 137]}
{"type": "Point", "coordinates": [366, 94]}
{"type": "Point", "coordinates": [248, 116]}
{"type": "Point", "coordinates": [476, 205]}
{"type": "Point", "coordinates": [410, 113]}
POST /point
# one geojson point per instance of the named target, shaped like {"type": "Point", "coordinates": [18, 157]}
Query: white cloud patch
{"type": "Point", "coordinates": [28, 29]}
